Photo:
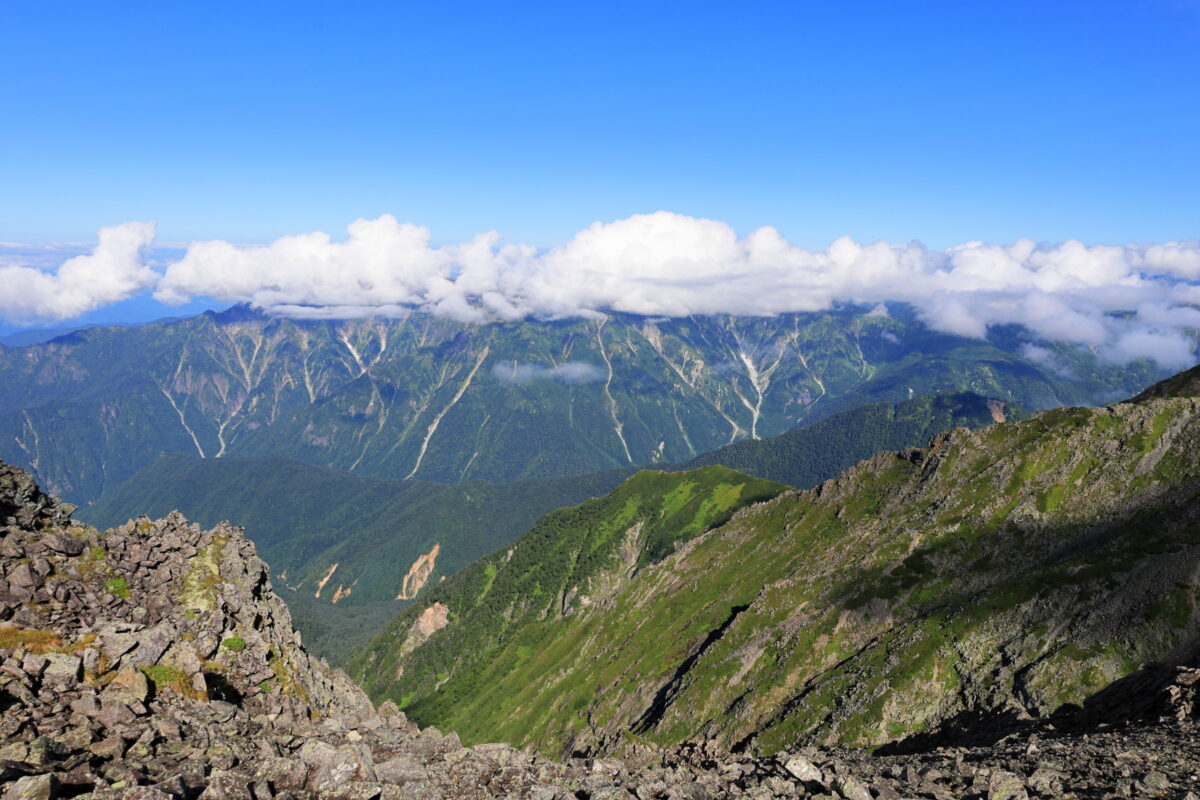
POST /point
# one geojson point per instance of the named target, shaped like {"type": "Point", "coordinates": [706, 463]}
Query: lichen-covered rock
{"type": "Point", "coordinates": [32, 787]}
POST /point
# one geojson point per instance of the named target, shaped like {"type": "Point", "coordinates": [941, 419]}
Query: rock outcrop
{"type": "Point", "coordinates": [418, 574]}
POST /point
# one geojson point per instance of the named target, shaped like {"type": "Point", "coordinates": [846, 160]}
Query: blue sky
{"type": "Point", "coordinates": [943, 122]}
{"type": "Point", "coordinates": [925, 124]}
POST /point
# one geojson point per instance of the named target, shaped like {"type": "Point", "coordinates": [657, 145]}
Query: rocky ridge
{"type": "Point", "coordinates": [154, 662]}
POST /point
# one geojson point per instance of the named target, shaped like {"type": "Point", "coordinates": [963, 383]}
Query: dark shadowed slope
{"type": "Point", "coordinates": [808, 455]}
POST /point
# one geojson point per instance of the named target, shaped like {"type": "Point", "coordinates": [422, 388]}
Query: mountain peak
{"type": "Point", "coordinates": [241, 312]}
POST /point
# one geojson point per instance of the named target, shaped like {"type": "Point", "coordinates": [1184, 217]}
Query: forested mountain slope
{"type": "Point", "coordinates": [1018, 568]}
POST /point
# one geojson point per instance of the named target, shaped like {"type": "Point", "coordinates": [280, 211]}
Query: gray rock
{"type": "Point", "coordinates": [400, 770]}
{"type": "Point", "coordinates": [224, 786]}
{"type": "Point", "coordinates": [32, 787]}
{"type": "Point", "coordinates": [20, 576]}
{"type": "Point", "coordinates": [1005, 785]}
{"type": "Point", "coordinates": [352, 790]}
{"type": "Point", "coordinates": [114, 712]}
{"type": "Point", "coordinates": [87, 705]}
{"type": "Point", "coordinates": [285, 774]}
{"type": "Point", "coordinates": [62, 670]}
{"type": "Point", "coordinates": [1153, 783]}
{"type": "Point", "coordinates": [144, 793]}
{"type": "Point", "coordinates": [152, 643]}
{"type": "Point", "coordinates": [127, 686]}
{"type": "Point", "coordinates": [691, 790]}
{"type": "Point", "coordinates": [62, 543]}
{"type": "Point", "coordinates": [803, 770]}
{"type": "Point", "coordinates": [116, 644]}
{"type": "Point", "coordinates": [330, 766]}
{"type": "Point", "coordinates": [851, 788]}
{"type": "Point", "coordinates": [33, 665]}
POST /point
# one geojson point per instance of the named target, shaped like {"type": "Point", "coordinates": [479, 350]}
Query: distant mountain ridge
{"type": "Point", "coordinates": [433, 398]}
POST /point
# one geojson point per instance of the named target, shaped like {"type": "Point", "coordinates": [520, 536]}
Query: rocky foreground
{"type": "Point", "coordinates": [154, 662]}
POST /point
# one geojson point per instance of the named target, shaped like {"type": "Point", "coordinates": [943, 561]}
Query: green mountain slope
{"type": "Point", "coordinates": [1014, 569]}
{"type": "Point", "coordinates": [574, 558]}
{"type": "Point", "coordinates": [431, 398]}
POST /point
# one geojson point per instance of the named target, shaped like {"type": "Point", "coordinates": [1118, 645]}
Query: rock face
{"type": "Point", "coordinates": [154, 662]}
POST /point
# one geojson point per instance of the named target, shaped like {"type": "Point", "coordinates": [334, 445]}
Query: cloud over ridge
{"type": "Point", "coordinates": [1124, 301]}
{"type": "Point", "coordinates": [571, 372]}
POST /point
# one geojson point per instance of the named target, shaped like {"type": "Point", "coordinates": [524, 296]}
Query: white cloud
{"type": "Point", "coordinates": [1166, 347]}
{"type": "Point", "coordinates": [114, 271]}
{"type": "Point", "coordinates": [1047, 359]}
{"type": "Point", "coordinates": [1118, 300]}
{"type": "Point", "coordinates": [573, 372]}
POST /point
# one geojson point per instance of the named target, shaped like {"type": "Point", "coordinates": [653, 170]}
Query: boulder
{"type": "Point", "coordinates": [62, 670]}
{"type": "Point", "coordinates": [32, 787]}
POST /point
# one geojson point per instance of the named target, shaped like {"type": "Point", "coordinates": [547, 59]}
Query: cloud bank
{"type": "Point", "coordinates": [1125, 301]}
{"type": "Point", "coordinates": [114, 271]}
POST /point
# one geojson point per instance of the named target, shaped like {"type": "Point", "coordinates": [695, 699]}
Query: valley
{"type": "Point", "coordinates": [377, 535]}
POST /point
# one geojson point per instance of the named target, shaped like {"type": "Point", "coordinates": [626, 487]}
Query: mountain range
{"type": "Point", "coordinates": [154, 662]}
{"type": "Point", "coordinates": [913, 557]}
{"type": "Point", "coordinates": [419, 396]}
